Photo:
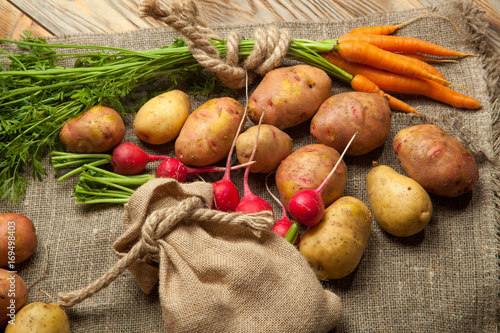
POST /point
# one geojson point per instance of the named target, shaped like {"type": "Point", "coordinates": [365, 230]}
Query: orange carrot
{"type": "Point", "coordinates": [425, 58]}
{"type": "Point", "coordinates": [403, 44]}
{"type": "Point", "coordinates": [427, 67]}
{"type": "Point", "coordinates": [399, 84]}
{"type": "Point", "coordinates": [389, 29]}
{"type": "Point", "coordinates": [362, 83]}
{"type": "Point", "coordinates": [364, 53]}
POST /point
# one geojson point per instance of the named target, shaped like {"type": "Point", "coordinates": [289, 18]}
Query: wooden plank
{"type": "Point", "coordinates": [14, 22]}
{"type": "Point", "coordinates": [62, 17]}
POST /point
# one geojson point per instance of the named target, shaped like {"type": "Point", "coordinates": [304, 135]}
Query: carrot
{"type": "Point", "coordinates": [425, 58]}
{"type": "Point", "coordinates": [403, 44]}
{"type": "Point", "coordinates": [364, 53]}
{"type": "Point", "coordinates": [431, 69]}
{"type": "Point", "coordinates": [362, 83]}
{"type": "Point", "coordinates": [399, 84]}
{"type": "Point", "coordinates": [390, 29]}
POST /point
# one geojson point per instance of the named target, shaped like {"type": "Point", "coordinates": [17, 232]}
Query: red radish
{"type": "Point", "coordinates": [226, 194]}
{"type": "Point", "coordinates": [129, 159]}
{"type": "Point", "coordinates": [283, 225]}
{"type": "Point", "coordinates": [307, 206]}
{"type": "Point", "coordinates": [172, 167]}
{"type": "Point", "coordinates": [250, 203]}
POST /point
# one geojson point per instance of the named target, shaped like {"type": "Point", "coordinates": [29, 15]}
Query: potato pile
{"type": "Point", "coordinates": [350, 123]}
{"type": "Point", "coordinates": [434, 161]}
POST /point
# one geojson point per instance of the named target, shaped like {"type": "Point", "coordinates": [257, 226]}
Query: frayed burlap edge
{"type": "Point", "coordinates": [477, 26]}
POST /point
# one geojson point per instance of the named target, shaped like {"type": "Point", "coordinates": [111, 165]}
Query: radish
{"type": "Point", "coordinates": [172, 167]}
{"type": "Point", "coordinates": [307, 206]}
{"type": "Point", "coordinates": [226, 194]}
{"type": "Point", "coordinates": [250, 203]}
{"type": "Point", "coordinates": [129, 159]}
{"type": "Point", "coordinates": [284, 226]}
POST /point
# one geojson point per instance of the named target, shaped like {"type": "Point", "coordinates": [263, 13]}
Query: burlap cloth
{"type": "Point", "coordinates": [445, 279]}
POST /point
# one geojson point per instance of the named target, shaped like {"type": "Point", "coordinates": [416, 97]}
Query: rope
{"type": "Point", "coordinates": [156, 226]}
{"type": "Point", "coordinates": [271, 45]}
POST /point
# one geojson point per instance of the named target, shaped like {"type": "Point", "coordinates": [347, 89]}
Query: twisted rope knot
{"type": "Point", "coordinates": [161, 221]}
{"type": "Point", "coordinates": [269, 50]}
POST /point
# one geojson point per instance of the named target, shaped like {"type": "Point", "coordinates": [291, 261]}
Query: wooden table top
{"type": "Point", "coordinates": [62, 17]}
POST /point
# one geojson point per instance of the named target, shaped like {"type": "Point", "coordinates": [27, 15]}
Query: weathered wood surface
{"type": "Point", "coordinates": [61, 17]}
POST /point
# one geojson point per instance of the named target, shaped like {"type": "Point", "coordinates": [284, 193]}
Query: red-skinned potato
{"type": "Point", "coordinates": [273, 146]}
{"type": "Point", "coordinates": [436, 160]}
{"type": "Point", "coordinates": [306, 168]}
{"type": "Point", "coordinates": [344, 114]}
{"type": "Point", "coordinates": [13, 295]}
{"type": "Point", "coordinates": [98, 130]}
{"type": "Point", "coordinates": [18, 238]}
{"type": "Point", "coordinates": [289, 95]}
{"type": "Point", "coordinates": [208, 132]}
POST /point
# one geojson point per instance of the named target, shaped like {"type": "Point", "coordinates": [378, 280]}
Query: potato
{"type": "Point", "coordinates": [273, 146]}
{"type": "Point", "coordinates": [399, 204]}
{"type": "Point", "coordinates": [344, 114]}
{"type": "Point", "coordinates": [18, 238]}
{"type": "Point", "coordinates": [436, 160]}
{"type": "Point", "coordinates": [160, 120]}
{"type": "Point", "coordinates": [306, 168]}
{"type": "Point", "coordinates": [97, 130]}
{"type": "Point", "coordinates": [13, 295]}
{"type": "Point", "coordinates": [289, 95]}
{"type": "Point", "coordinates": [40, 318]}
{"type": "Point", "coordinates": [208, 133]}
{"type": "Point", "coordinates": [335, 245]}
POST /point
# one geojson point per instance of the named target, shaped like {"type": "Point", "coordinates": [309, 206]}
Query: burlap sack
{"type": "Point", "coordinates": [444, 279]}
{"type": "Point", "coordinates": [217, 272]}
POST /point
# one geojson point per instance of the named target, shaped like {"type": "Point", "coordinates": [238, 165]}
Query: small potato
{"type": "Point", "coordinates": [160, 120]}
{"type": "Point", "coordinates": [13, 295]}
{"type": "Point", "coordinates": [98, 130]}
{"type": "Point", "coordinates": [306, 168]}
{"type": "Point", "coordinates": [208, 133]}
{"type": "Point", "coordinates": [335, 245]}
{"type": "Point", "coordinates": [40, 318]}
{"type": "Point", "coordinates": [342, 115]}
{"type": "Point", "coordinates": [18, 238]}
{"type": "Point", "coordinates": [399, 204]}
{"type": "Point", "coordinates": [436, 160]}
{"type": "Point", "coordinates": [289, 95]}
{"type": "Point", "coordinates": [273, 146]}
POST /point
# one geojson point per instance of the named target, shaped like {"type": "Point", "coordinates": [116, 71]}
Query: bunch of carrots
{"type": "Point", "coordinates": [383, 63]}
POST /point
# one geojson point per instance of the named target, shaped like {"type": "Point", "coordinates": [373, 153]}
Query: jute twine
{"type": "Point", "coordinates": [156, 226]}
{"type": "Point", "coordinates": [270, 47]}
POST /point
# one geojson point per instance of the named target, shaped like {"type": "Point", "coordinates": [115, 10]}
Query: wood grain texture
{"type": "Point", "coordinates": [14, 22]}
{"type": "Point", "coordinates": [62, 17]}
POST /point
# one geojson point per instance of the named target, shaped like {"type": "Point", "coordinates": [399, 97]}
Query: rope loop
{"type": "Point", "coordinates": [270, 48]}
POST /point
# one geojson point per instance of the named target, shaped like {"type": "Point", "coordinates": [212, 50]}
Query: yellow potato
{"type": "Point", "coordinates": [40, 318]}
{"type": "Point", "coordinates": [160, 120]}
{"type": "Point", "coordinates": [273, 146]}
{"type": "Point", "coordinates": [400, 205]}
{"type": "Point", "coordinates": [306, 168]}
{"type": "Point", "coordinates": [335, 245]}
{"type": "Point", "coordinates": [209, 131]}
